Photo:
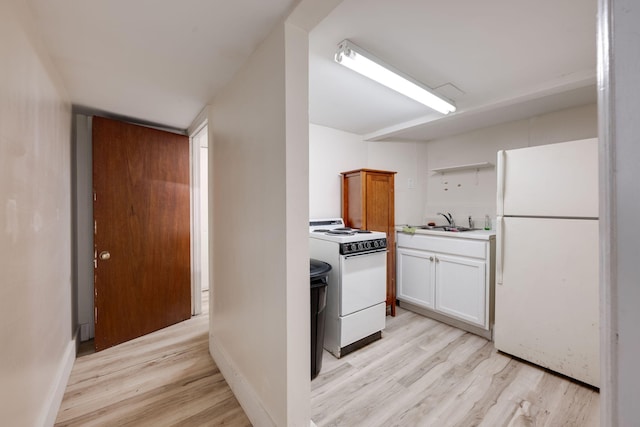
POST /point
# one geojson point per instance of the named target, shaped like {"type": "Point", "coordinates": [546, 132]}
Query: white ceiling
{"type": "Point", "coordinates": [499, 60]}
{"type": "Point", "coordinates": [158, 61]}
{"type": "Point", "coordinates": [161, 61]}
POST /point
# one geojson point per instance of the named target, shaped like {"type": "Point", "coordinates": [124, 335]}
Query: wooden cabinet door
{"type": "Point", "coordinates": [460, 288]}
{"type": "Point", "coordinates": [368, 202]}
{"type": "Point", "coordinates": [379, 208]}
{"type": "Point", "coordinates": [379, 202]}
{"type": "Point", "coordinates": [416, 275]}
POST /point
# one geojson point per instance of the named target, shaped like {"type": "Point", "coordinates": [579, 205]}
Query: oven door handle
{"type": "Point", "coordinates": [365, 253]}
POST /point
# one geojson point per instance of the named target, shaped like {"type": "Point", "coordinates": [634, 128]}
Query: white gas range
{"type": "Point", "coordinates": [356, 292]}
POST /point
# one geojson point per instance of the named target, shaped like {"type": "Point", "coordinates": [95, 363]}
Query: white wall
{"type": "Point", "coordinates": [37, 349]}
{"type": "Point", "coordinates": [419, 193]}
{"type": "Point", "coordinates": [408, 160]}
{"type": "Point", "coordinates": [258, 157]}
{"type": "Point", "coordinates": [331, 152]}
{"type": "Point", "coordinates": [465, 193]}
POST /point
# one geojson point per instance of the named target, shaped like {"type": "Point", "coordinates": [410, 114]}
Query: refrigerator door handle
{"type": "Point", "coordinates": [499, 249]}
{"type": "Point", "coordinates": [500, 180]}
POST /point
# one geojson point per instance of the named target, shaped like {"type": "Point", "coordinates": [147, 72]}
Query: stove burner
{"type": "Point", "coordinates": [341, 232]}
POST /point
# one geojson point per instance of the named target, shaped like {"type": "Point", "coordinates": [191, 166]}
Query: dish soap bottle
{"type": "Point", "coordinates": [487, 222]}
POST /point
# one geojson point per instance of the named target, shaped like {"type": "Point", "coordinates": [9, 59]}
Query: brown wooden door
{"type": "Point", "coordinates": [142, 230]}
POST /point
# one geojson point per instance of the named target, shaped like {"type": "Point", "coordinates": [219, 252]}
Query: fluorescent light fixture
{"type": "Point", "coordinates": [361, 61]}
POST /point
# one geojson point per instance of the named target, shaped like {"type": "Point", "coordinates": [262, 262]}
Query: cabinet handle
{"type": "Point", "coordinates": [437, 260]}
{"type": "Point", "coordinates": [430, 258]}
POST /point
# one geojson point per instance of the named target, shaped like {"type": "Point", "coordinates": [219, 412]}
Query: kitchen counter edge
{"type": "Point", "coordinates": [471, 235]}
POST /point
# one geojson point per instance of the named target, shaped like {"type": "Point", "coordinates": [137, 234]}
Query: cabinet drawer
{"type": "Point", "coordinates": [447, 245]}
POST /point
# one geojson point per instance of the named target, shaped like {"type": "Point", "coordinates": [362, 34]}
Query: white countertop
{"type": "Point", "coordinates": [472, 235]}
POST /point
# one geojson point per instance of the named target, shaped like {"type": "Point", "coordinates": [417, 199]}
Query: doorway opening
{"type": "Point", "coordinates": [200, 218]}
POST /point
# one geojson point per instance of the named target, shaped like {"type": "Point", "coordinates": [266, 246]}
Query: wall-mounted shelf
{"type": "Point", "coordinates": [481, 165]}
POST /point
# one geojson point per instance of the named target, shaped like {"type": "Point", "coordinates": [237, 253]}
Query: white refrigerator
{"type": "Point", "coordinates": [546, 296]}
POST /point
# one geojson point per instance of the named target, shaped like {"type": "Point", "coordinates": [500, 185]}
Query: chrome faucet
{"type": "Point", "coordinates": [448, 217]}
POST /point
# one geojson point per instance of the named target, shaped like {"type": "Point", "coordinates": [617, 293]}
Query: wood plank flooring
{"type": "Point", "coordinates": [166, 378]}
{"type": "Point", "coordinates": [425, 373]}
{"type": "Point", "coordinates": [421, 373]}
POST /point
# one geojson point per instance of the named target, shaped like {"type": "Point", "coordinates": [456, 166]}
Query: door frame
{"type": "Point", "coordinates": [196, 221]}
{"type": "Point", "coordinates": [83, 225]}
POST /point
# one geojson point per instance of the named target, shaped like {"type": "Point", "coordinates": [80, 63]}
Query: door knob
{"type": "Point", "coordinates": [105, 255]}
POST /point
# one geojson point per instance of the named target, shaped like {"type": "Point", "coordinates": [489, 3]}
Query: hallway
{"type": "Point", "coordinates": [166, 378]}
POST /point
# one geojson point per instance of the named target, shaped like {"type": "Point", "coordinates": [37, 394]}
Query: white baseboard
{"type": "Point", "coordinates": [241, 388]}
{"type": "Point", "coordinates": [54, 399]}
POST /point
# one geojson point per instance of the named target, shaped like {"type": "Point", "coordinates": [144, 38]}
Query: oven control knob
{"type": "Point", "coordinates": [367, 245]}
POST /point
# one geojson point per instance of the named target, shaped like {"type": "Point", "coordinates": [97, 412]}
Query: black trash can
{"type": "Point", "coordinates": [318, 272]}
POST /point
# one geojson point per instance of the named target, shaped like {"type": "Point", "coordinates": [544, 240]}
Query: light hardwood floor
{"type": "Point", "coordinates": [421, 373]}
{"type": "Point", "coordinates": [425, 373]}
{"type": "Point", "coordinates": [166, 378]}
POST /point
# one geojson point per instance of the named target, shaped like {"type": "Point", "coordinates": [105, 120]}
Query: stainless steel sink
{"type": "Point", "coordinates": [450, 228]}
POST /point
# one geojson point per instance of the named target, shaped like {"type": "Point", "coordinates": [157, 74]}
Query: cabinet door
{"type": "Point", "coordinates": [460, 288]}
{"type": "Point", "coordinates": [379, 202]}
{"type": "Point", "coordinates": [415, 270]}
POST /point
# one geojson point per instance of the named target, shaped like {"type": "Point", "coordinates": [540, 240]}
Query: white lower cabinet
{"type": "Point", "coordinates": [450, 277]}
{"type": "Point", "coordinates": [460, 288]}
{"type": "Point", "coordinates": [415, 277]}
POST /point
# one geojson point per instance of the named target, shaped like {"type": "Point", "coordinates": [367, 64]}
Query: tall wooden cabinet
{"type": "Point", "coordinates": [368, 203]}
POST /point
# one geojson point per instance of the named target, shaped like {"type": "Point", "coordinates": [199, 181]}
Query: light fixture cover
{"type": "Point", "coordinates": [361, 61]}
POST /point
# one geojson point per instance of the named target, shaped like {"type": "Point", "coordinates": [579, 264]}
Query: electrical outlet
{"type": "Point", "coordinates": [411, 183]}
